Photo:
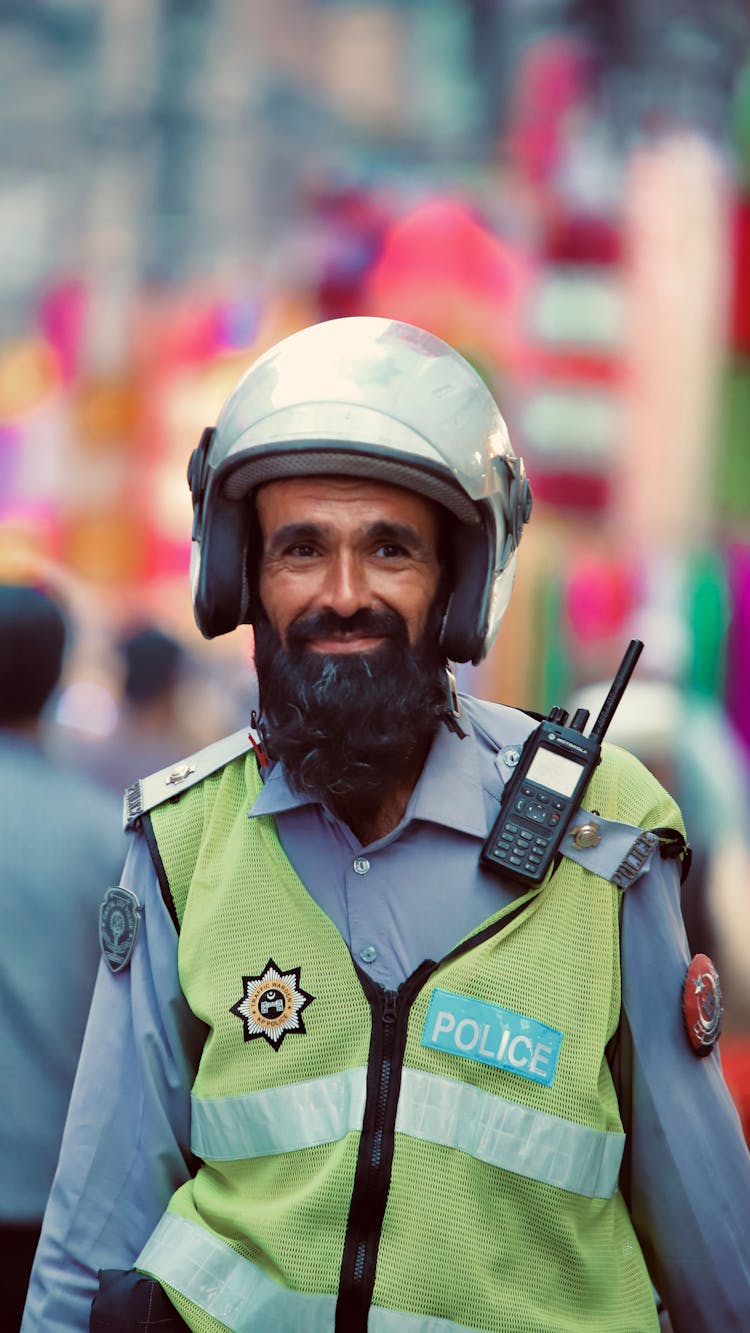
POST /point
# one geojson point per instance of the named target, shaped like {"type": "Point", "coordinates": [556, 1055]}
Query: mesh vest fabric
{"type": "Point", "coordinates": [472, 1243]}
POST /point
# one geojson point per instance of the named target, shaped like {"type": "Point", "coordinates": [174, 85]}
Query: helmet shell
{"type": "Point", "coordinates": [374, 398]}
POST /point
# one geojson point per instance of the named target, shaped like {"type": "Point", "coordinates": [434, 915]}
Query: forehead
{"type": "Point", "coordinates": [344, 501]}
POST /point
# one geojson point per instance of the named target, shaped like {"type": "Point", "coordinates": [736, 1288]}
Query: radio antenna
{"type": "Point", "coordinates": [617, 688]}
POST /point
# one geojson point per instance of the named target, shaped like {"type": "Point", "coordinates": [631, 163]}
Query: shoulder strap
{"type": "Point", "coordinates": [172, 781]}
{"type": "Point", "coordinates": [176, 831]}
{"type": "Point", "coordinates": [672, 845]}
{"type": "Point", "coordinates": [172, 808]}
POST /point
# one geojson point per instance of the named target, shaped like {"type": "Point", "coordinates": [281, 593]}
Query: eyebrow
{"type": "Point", "coordinates": [401, 534]}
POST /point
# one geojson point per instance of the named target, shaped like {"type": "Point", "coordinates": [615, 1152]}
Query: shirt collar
{"type": "Point", "coordinates": [449, 790]}
{"type": "Point", "coordinates": [276, 796]}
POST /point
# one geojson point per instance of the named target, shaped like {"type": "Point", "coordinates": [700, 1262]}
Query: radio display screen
{"type": "Point", "coordinates": [553, 770]}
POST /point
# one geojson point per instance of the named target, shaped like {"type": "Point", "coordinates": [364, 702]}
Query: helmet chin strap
{"type": "Point", "coordinates": [453, 707]}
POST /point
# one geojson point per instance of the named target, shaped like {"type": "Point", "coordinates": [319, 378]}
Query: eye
{"type": "Point", "coordinates": [391, 551]}
{"type": "Point", "coordinates": [301, 551]}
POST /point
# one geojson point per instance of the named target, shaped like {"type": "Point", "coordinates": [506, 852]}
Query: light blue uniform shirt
{"type": "Point", "coordinates": [409, 896]}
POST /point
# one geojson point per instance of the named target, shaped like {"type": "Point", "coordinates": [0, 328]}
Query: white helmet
{"type": "Point", "coordinates": [369, 398]}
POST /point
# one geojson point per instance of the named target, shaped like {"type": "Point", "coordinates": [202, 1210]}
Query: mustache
{"type": "Point", "coordinates": [345, 724]}
{"type": "Point", "coordinates": [386, 624]}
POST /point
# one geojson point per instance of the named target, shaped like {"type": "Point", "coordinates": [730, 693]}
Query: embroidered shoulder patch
{"type": "Point", "coordinates": [119, 916]}
{"type": "Point", "coordinates": [272, 1005]}
{"type": "Point", "coordinates": [490, 1035]}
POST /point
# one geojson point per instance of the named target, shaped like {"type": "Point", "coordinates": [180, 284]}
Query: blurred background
{"type": "Point", "coordinates": [559, 188]}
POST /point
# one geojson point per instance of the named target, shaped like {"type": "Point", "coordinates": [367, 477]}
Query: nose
{"type": "Point", "coordinates": [346, 588]}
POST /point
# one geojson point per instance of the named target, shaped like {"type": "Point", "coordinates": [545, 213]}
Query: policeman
{"type": "Point", "coordinates": [339, 1074]}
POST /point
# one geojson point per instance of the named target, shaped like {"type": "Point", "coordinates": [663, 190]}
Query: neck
{"type": "Point", "coordinates": [376, 824]}
{"type": "Point", "coordinates": [370, 821]}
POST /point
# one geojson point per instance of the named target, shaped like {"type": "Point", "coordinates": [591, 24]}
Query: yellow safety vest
{"type": "Point", "coordinates": [444, 1157]}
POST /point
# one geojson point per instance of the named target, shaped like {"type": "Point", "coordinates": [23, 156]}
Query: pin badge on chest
{"type": "Point", "coordinates": [702, 1004]}
{"type": "Point", "coordinates": [119, 916]}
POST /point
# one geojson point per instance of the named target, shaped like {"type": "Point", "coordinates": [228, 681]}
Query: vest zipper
{"type": "Point", "coordinates": [390, 1014]}
{"type": "Point", "coordinates": [372, 1177]}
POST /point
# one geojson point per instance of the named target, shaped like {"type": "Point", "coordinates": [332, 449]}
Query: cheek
{"type": "Point", "coordinates": [284, 597]}
{"type": "Point", "coordinates": [274, 598]}
{"type": "Point", "coordinates": [418, 605]}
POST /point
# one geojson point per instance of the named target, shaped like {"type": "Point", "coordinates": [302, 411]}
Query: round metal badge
{"type": "Point", "coordinates": [702, 1004]}
{"type": "Point", "coordinates": [586, 835]}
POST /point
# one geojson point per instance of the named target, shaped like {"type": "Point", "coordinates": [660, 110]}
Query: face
{"type": "Point", "coordinates": [342, 545]}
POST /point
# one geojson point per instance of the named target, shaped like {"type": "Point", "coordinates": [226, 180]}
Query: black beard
{"type": "Point", "coordinates": [349, 726]}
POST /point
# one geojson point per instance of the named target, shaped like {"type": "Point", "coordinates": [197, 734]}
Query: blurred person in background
{"type": "Point", "coordinates": [151, 729]}
{"type": "Point", "coordinates": [59, 848]}
{"type": "Point", "coordinates": [165, 701]}
{"type": "Point", "coordinates": [388, 1086]}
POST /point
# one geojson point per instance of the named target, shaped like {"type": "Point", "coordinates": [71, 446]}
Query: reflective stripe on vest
{"type": "Point", "coordinates": [439, 1110]}
{"type": "Point", "coordinates": [297, 1115]}
{"type": "Point", "coordinates": [243, 1298]}
{"type": "Point", "coordinates": [530, 1143]}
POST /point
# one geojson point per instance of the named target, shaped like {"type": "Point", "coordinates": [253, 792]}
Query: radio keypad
{"type": "Point", "coordinates": [523, 847]}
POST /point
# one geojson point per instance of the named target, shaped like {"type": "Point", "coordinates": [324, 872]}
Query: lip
{"type": "Point", "coordinates": [350, 643]}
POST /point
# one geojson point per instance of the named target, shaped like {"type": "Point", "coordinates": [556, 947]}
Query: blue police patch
{"type": "Point", "coordinates": [484, 1032]}
{"type": "Point", "coordinates": [119, 915]}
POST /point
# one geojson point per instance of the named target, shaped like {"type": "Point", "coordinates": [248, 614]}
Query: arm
{"type": "Point", "coordinates": [126, 1142]}
{"type": "Point", "coordinates": [689, 1169]}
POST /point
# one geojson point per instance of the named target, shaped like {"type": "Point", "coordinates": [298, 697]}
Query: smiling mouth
{"type": "Point", "coordinates": [346, 643]}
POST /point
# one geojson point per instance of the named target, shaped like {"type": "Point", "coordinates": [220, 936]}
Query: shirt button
{"type": "Point", "coordinates": [361, 865]}
{"type": "Point", "coordinates": [368, 954]}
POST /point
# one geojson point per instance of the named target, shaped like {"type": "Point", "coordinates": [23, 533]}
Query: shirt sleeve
{"type": "Point", "coordinates": [687, 1170]}
{"type": "Point", "coordinates": [126, 1143]}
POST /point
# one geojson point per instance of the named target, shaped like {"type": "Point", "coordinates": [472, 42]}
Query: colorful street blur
{"type": "Point", "coordinates": [560, 190]}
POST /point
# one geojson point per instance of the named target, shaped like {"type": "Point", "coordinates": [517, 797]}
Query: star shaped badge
{"type": "Point", "coordinates": [271, 1005]}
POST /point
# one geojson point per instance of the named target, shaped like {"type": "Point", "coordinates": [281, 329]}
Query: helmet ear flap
{"type": "Point", "coordinates": [197, 475]}
{"type": "Point", "coordinates": [463, 630]}
{"type": "Point", "coordinates": [220, 590]}
{"type": "Point", "coordinates": [518, 508]}
{"type": "Point", "coordinates": [218, 573]}
{"type": "Point", "coordinates": [489, 563]}
{"type": "Point", "coordinates": [483, 560]}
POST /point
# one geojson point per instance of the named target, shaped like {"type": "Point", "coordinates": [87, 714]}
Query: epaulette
{"type": "Point", "coordinates": [620, 852]}
{"type": "Point", "coordinates": [149, 792]}
{"type": "Point", "coordinates": [613, 850]}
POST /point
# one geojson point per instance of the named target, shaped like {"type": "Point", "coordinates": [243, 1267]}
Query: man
{"type": "Point", "coordinates": [59, 849]}
{"type": "Point", "coordinates": [345, 1075]}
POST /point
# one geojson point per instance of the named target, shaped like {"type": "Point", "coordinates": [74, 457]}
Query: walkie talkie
{"type": "Point", "coordinates": [544, 792]}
